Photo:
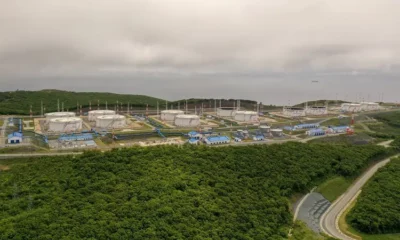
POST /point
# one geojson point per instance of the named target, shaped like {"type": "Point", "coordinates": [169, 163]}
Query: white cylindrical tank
{"type": "Point", "coordinates": [110, 121]}
{"type": "Point", "coordinates": [265, 129]}
{"type": "Point", "coordinates": [92, 115]}
{"type": "Point", "coordinates": [294, 112]}
{"type": "Point", "coordinates": [277, 132]}
{"type": "Point", "coordinates": [226, 112]}
{"type": "Point", "coordinates": [58, 115]}
{"type": "Point", "coordinates": [67, 124]}
{"type": "Point", "coordinates": [170, 115]}
{"type": "Point", "coordinates": [317, 110]}
{"type": "Point", "coordinates": [246, 116]}
{"type": "Point", "coordinates": [369, 106]}
{"type": "Point", "coordinates": [187, 120]}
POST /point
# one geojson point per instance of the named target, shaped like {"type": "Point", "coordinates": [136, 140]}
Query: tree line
{"type": "Point", "coordinates": [377, 210]}
{"type": "Point", "coordinates": [169, 192]}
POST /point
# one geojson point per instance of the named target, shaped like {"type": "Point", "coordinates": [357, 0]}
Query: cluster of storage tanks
{"type": "Point", "coordinates": [68, 122]}
{"type": "Point", "coordinates": [180, 119]}
{"type": "Point", "coordinates": [358, 107]}
{"type": "Point", "coordinates": [241, 116]}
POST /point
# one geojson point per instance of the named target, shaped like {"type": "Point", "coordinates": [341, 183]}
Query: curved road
{"type": "Point", "coordinates": [329, 221]}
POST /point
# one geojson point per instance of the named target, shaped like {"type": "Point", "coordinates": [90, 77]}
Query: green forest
{"type": "Point", "coordinates": [168, 192]}
{"type": "Point", "coordinates": [19, 102]}
{"type": "Point", "coordinates": [377, 210]}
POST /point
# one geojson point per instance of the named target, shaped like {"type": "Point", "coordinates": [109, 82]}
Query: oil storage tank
{"type": "Point", "coordinates": [170, 115]}
{"type": "Point", "coordinates": [53, 115]}
{"type": "Point", "coordinates": [67, 124]}
{"type": "Point", "coordinates": [110, 121]}
{"type": "Point", "coordinates": [187, 120]}
{"type": "Point", "coordinates": [92, 115]}
{"type": "Point", "coordinates": [226, 112]}
{"type": "Point", "coordinates": [246, 116]}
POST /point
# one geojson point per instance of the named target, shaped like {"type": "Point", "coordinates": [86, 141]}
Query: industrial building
{"type": "Point", "coordinates": [246, 116]}
{"type": "Point", "coordinates": [294, 112]}
{"type": "Point", "coordinates": [217, 140]}
{"type": "Point", "coordinates": [317, 111]}
{"type": "Point", "coordinates": [53, 115]}
{"type": "Point", "coordinates": [316, 132]}
{"type": "Point", "coordinates": [277, 132]}
{"type": "Point", "coordinates": [92, 115]}
{"type": "Point", "coordinates": [187, 120]}
{"type": "Point", "coordinates": [306, 126]}
{"type": "Point", "coordinates": [67, 124]}
{"type": "Point", "coordinates": [339, 129]}
{"type": "Point", "coordinates": [195, 135]}
{"type": "Point", "coordinates": [258, 138]}
{"type": "Point", "coordinates": [15, 138]}
{"type": "Point", "coordinates": [226, 112]}
{"type": "Point", "coordinates": [170, 115]}
{"type": "Point", "coordinates": [110, 121]}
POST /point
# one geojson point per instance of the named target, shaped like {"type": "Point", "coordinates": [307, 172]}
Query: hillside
{"type": "Point", "coordinates": [320, 103]}
{"type": "Point", "coordinates": [168, 192]}
{"type": "Point", "coordinates": [210, 103]}
{"type": "Point", "coordinates": [19, 102]}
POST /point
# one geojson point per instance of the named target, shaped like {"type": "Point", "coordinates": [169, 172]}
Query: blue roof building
{"type": "Point", "coordinates": [76, 137]}
{"type": "Point", "coordinates": [217, 140]}
{"type": "Point", "coordinates": [193, 141]}
{"type": "Point", "coordinates": [15, 138]}
{"type": "Point", "coordinates": [194, 134]}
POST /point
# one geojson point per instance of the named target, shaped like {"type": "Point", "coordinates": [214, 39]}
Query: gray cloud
{"type": "Point", "coordinates": [180, 42]}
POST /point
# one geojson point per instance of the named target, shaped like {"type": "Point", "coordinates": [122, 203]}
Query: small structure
{"type": "Point", "coordinates": [195, 135]}
{"type": "Point", "coordinates": [15, 138]}
{"type": "Point", "coordinates": [316, 132]}
{"type": "Point", "coordinates": [214, 140]}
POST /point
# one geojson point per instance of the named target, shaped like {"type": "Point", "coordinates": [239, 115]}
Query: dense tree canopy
{"type": "Point", "coordinates": [168, 192]}
{"type": "Point", "coordinates": [378, 208]}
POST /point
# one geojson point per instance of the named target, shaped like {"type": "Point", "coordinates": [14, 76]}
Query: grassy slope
{"type": "Point", "coordinates": [334, 187]}
{"type": "Point", "coordinates": [19, 102]}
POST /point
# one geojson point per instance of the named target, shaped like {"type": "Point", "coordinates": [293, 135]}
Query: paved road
{"type": "Point", "coordinates": [386, 143]}
{"type": "Point", "coordinates": [329, 221]}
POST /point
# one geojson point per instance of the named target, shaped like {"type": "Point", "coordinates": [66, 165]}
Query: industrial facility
{"type": "Point", "coordinates": [369, 106]}
{"type": "Point", "coordinates": [92, 115]}
{"type": "Point", "coordinates": [53, 115]}
{"type": "Point", "coordinates": [170, 115]}
{"type": "Point", "coordinates": [226, 112]}
{"type": "Point", "coordinates": [246, 116]}
{"type": "Point", "coordinates": [277, 132]}
{"type": "Point", "coordinates": [294, 112]}
{"type": "Point", "coordinates": [187, 120]}
{"type": "Point", "coordinates": [66, 124]}
{"type": "Point", "coordinates": [351, 107]}
{"type": "Point", "coordinates": [110, 121]}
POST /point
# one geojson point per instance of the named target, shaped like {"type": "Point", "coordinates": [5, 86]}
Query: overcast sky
{"type": "Point", "coordinates": [270, 51]}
